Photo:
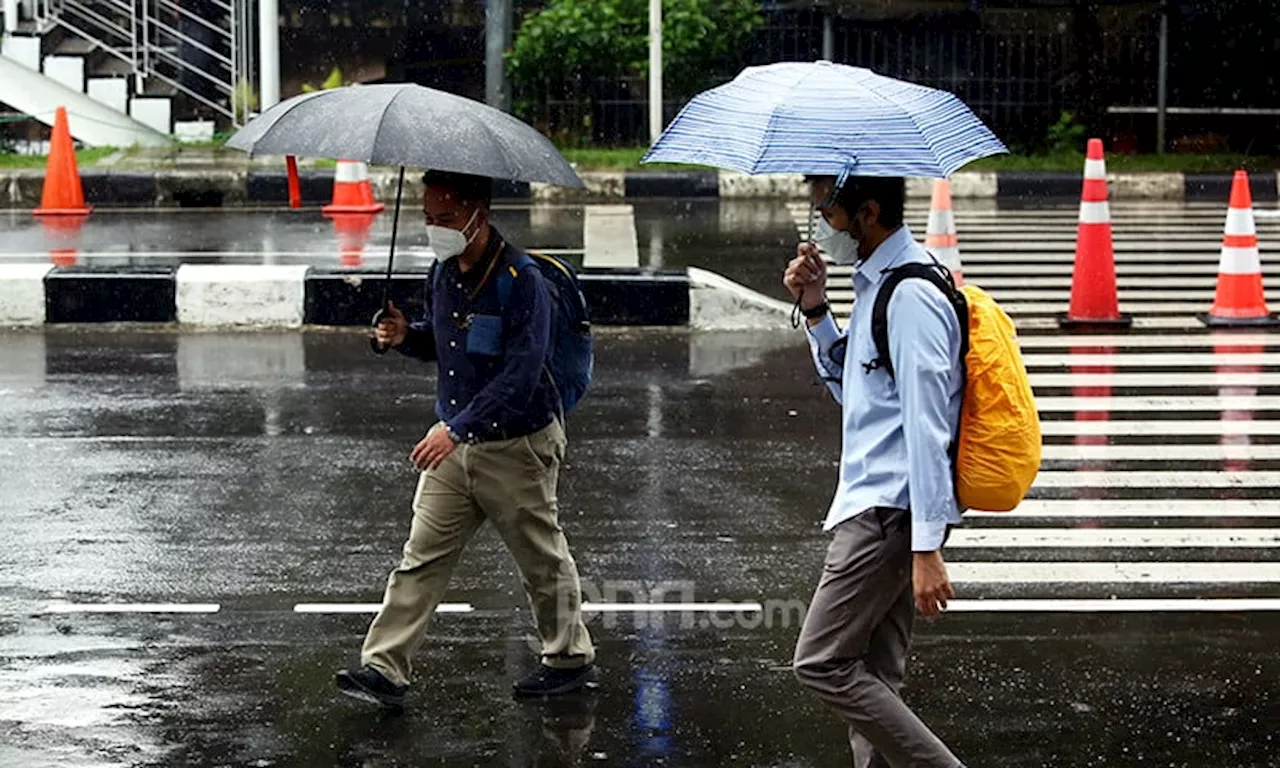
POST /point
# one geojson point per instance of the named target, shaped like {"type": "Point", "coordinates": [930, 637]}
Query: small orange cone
{"type": "Point", "coordinates": [940, 238]}
{"type": "Point", "coordinates": [352, 190]}
{"type": "Point", "coordinates": [1094, 300]}
{"type": "Point", "coordinates": [63, 194]}
{"type": "Point", "coordinates": [1239, 299]}
{"type": "Point", "coordinates": [353, 233]}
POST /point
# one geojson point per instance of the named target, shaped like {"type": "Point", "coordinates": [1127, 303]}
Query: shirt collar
{"type": "Point", "coordinates": [886, 255]}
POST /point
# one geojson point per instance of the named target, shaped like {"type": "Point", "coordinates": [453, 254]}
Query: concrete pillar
{"type": "Point", "coordinates": [609, 236]}
{"type": "Point", "coordinates": [269, 53]}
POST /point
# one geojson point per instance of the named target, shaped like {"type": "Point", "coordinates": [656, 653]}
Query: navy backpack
{"type": "Point", "coordinates": [570, 359]}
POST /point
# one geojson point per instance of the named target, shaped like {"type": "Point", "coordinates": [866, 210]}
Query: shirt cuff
{"type": "Point", "coordinates": [825, 332]}
{"type": "Point", "coordinates": [928, 535]}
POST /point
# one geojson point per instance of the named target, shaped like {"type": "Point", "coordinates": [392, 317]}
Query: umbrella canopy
{"type": "Point", "coordinates": [407, 125]}
{"type": "Point", "coordinates": [826, 119]}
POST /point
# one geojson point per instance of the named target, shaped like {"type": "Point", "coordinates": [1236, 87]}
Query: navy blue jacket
{"type": "Point", "coordinates": [491, 356]}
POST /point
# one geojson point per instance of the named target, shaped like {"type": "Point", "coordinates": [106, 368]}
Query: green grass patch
{"type": "Point", "coordinates": [84, 158]}
{"type": "Point", "coordinates": [620, 159]}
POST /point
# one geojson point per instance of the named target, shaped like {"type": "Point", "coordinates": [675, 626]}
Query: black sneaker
{"type": "Point", "coordinates": [368, 684]}
{"type": "Point", "coordinates": [548, 681]}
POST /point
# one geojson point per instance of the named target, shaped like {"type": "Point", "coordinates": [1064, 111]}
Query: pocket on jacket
{"type": "Point", "coordinates": [484, 337]}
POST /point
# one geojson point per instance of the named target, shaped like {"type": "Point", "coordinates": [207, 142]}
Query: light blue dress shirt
{"type": "Point", "coordinates": [896, 431]}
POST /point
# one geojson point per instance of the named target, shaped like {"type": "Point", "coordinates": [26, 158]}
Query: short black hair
{"type": "Point", "coordinates": [468, 188]}
{"type": "Point", "coordinates": [890, 192]}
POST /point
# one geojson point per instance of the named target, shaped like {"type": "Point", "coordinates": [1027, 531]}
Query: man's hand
{"type": "Point", "coordinates": [806, 276]}
{"type": "Point", "coordinates": [392, 329]}
{"type": "Point", "coordinates": [931, 583]}
{"type": "Point", "coordinates": [432, 449]}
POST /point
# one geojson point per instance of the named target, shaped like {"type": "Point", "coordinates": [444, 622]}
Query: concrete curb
{"type": "Point", "coordinates": [251, 297]}
{"type": "Point", "coordinates": [717, 303]}
{"type": "Point", "coordinates": [257, 187]}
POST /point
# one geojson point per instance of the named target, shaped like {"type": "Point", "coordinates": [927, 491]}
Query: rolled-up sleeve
{"type": "Point", "coordinates": [828, 344]}
{"type": "Point", "coordinates": [924, 347]}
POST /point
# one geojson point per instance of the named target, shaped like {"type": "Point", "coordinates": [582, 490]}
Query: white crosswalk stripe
{"type": "Point", "coordinates": [1161, 475]}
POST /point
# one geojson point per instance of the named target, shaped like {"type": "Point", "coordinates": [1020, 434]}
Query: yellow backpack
{"type": "Point", "coordinates": [997, 453]}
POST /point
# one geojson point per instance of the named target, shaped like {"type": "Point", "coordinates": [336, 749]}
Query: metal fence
{"type": "Point", "coordinates": [203, 49]}
{"type": "Point", "coordinates": [1019, 72]}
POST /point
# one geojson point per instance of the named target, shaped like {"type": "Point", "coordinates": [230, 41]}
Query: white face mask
{"type": "Point", "coordinates": [447, 242]}
{"type": "Point", "coordinates": [839, 245]}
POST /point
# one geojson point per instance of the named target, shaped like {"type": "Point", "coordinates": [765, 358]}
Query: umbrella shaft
{"type": "Point", "coordinates": [395, 228]}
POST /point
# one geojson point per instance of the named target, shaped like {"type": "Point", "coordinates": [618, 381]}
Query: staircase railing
{"type": "Point", "coordinates": [200, 48]}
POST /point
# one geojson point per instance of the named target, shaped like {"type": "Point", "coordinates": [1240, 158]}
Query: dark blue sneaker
{"type": "Point", "coordinates": [548, 681]}
{"type": "Point", "coordinates": [368, 684]}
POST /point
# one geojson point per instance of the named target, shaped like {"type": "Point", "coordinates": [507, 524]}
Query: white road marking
{"type": "Point", "coordinates": [1117, 573]}
{"type": "Point", "coordinates": [1162, 380]}
{"type": "Point", "coordinates": [1160, 428]}
{"type": "Point", "coordinates": [1157, 404]}
{"type": "Point", "coordinates": [1161, 452]}
{"type": "Point", "coordinates": [372, 608]}
{"type": "Point", "coordinates": [1197, 340]}
{"type": "Point", "coordinates": [1154, 359]}
{"type": "Point", "coordinates": [1156, 605]}
{"type": "Point", "coordinates": [1087, 509]}
{"type": "Point", "coordinates": [1111, 538]}
{"type": "Point", "coordinates": [1169, 479]}
{"type": "Point", "coordinates": [721, 607]}
{"type": "Point", "coordinates": [58, 607]}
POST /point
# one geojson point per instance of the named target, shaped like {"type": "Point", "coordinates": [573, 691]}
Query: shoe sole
{"type": "Point", "coordinates": [588, 680]}
{"type": "Point", "coordinates": [352, 688]}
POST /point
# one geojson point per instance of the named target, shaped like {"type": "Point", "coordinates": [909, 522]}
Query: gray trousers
{"type": "Point", "coordinates": [852, 651]}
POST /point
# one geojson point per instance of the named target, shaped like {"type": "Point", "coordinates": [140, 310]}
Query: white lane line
{"type": "Point", "coordinates": [131, 608]}
{"type": "Point", "coordinates": [1153, 359]}
{"type": "Point", "coordinates": [372, 608]}
{"type": "Point", "coordinates": [1088, 509]}
{"type": "Point", "coordinates": [1171, 479]}
{"type": "Point", "coordinates": [1118, 573]}
{"type": "Point", "coordinates": [1160, 428]}
{"type": "Point", "coordinates": [1163, 380]}
{"type": "Point", "coordinates": [1112, 538]}
{"type": "Point", "coordinates": [1181, 340]}
{"type": "Point", "coordinates": [1142, 298]}
{"type": "Point", "coordinates": [1140, 323]}
{"type": "Point", "coordinates": [1157, 404]}
{"type": "Point", "coordinates": [1161, 452]}
{"type": "Point", "coordinates": [1129, 605]}
{"type": "Point", "coordinates": [720, 607]}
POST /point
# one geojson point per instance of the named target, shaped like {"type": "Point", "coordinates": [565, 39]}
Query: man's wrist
{"type": "Point", "coordinates": [817, 311]}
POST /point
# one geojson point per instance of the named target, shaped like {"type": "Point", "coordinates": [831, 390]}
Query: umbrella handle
{"type": "Point", "coordinates": [378, 348]}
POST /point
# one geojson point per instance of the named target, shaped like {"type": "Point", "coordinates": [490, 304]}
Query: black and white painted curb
{"type": "Point", "coordinates": [216, 188]}
{"type": "Point", "coordinates": [292, 296]}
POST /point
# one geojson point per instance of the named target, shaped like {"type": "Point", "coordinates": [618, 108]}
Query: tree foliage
{"type": "Point", "coordinates": [569, 41]}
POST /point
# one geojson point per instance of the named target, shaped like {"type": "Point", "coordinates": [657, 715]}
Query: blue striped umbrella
{"type": "Point", "coordinates": [825, 119]}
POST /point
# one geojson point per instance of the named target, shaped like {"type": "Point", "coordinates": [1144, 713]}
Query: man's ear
{"type": "Point", "coordinates": [872, 210]}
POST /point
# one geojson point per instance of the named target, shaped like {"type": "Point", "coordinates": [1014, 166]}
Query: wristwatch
{"type": "Point", "coordinates": [454, 436]}
{"type": "Point", "coordinates": [818, 311]}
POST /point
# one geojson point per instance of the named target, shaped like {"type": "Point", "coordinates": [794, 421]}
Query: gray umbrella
{"type": "Point", "coordinates": [405, 124]}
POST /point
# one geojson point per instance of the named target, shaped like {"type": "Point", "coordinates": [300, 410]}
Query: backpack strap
{"type": "Point", "coordinates": [935, 273]}
{"type": "Point", "coordinates": [515, 261]}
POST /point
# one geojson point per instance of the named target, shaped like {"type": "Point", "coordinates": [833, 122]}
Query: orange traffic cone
{"type": "Point", "coordinates": [1094, 300]}
{"type": "Point", "coordinates": [1239, 299]}
{"type": "Point", "coordinates": [353, 232]}
{"type": "Point", "coordinates": [940, 238]}
{"type": "Point", "coordinates": [63, 194]}
{"type": "Point", "coordinates": [352, 190]}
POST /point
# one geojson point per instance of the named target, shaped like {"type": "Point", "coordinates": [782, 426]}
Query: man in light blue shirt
{"type": "Point", "coordinates": [895, 498]}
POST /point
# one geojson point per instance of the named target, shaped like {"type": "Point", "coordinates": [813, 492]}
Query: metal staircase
{"type": "Point", "coordinates": [159, 67]}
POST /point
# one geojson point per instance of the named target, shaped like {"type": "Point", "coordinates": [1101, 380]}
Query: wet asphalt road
{"type": "Point", "coordinates": [260, 471]}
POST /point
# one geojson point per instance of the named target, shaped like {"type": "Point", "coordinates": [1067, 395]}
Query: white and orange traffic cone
{"type": "Point", "coordinates": [1239, 298]}
{"type": "Point", "coordinates": [940, 238]}
{"type": "Point", "coordinates": [352, 190]}
{"type": "Point", "coordinates": [1094, 300]}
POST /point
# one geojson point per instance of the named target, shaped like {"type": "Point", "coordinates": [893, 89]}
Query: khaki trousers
{"type": "Point", "coordinates": [512, 484]}
{"type": "Point", "coordinates": [852, 650]}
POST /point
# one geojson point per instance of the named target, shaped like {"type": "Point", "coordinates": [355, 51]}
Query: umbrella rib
{"type": "Point", "coordinates": [381, 119]}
